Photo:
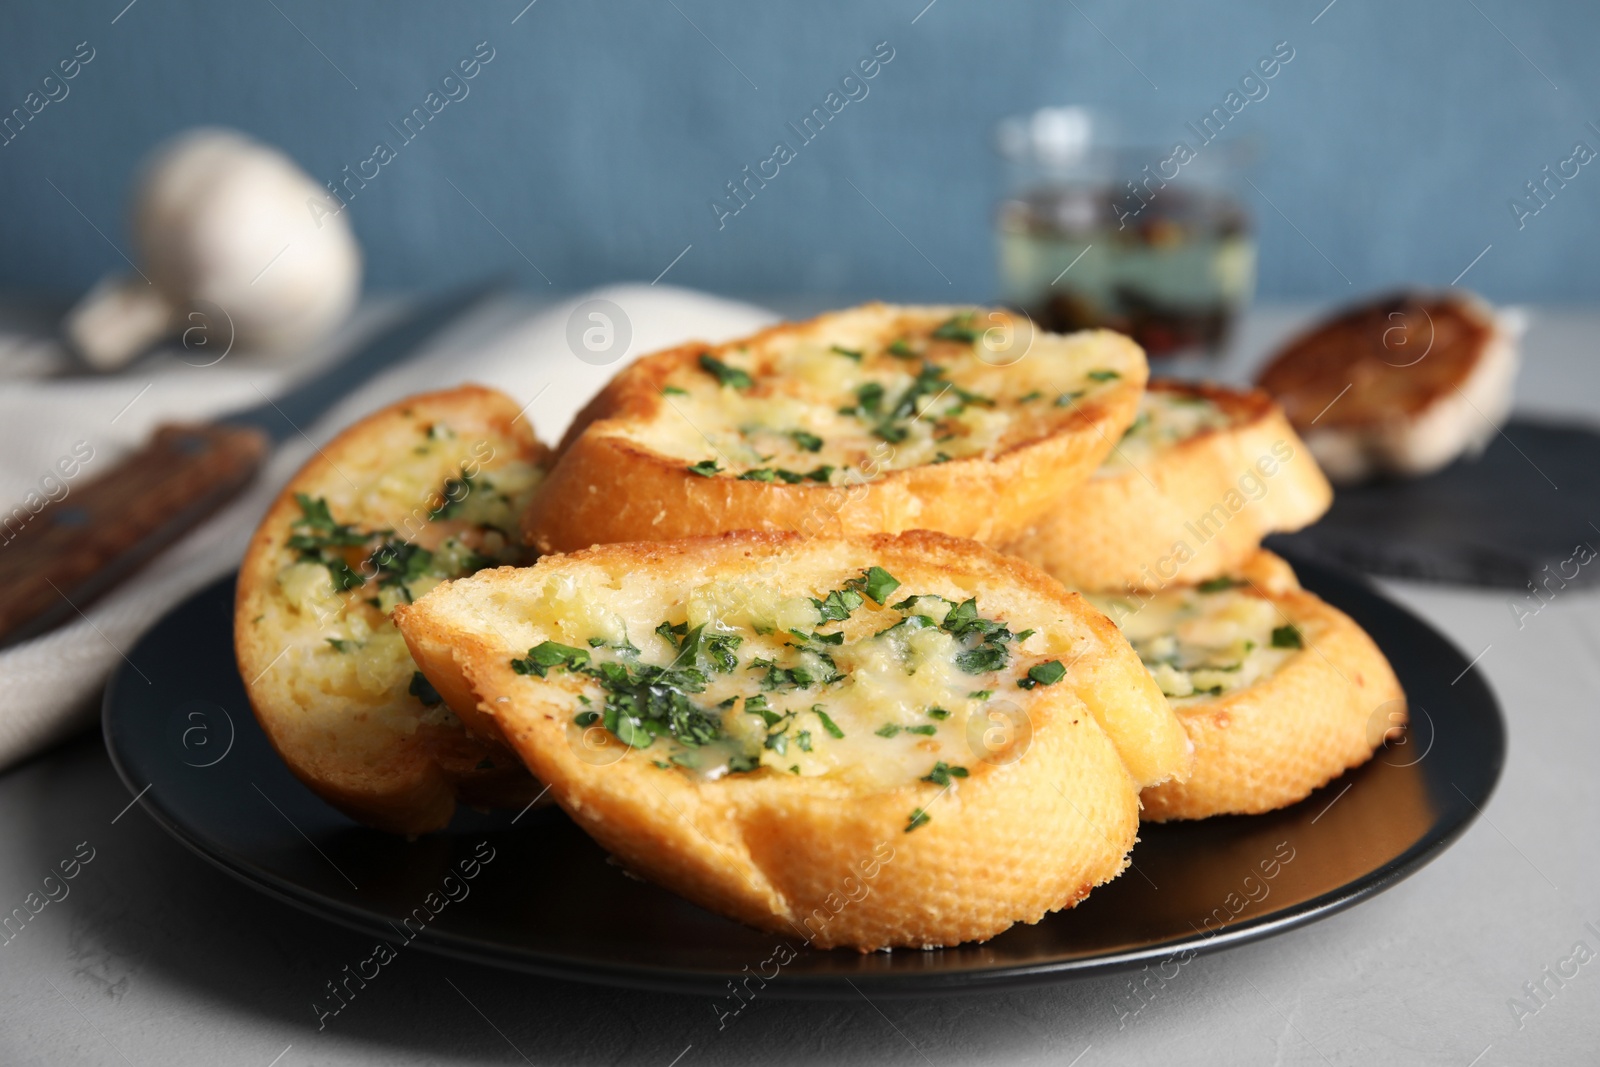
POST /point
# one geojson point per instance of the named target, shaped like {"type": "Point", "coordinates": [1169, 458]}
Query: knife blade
{"type": "Point", "coordinates": [55, 561]}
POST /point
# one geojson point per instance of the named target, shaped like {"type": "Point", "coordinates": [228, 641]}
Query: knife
{"type": "Point", "coordinates": [52, 563]}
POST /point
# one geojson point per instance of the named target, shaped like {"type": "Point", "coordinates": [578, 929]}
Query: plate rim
{"type": "Point", "coordinates": [803, 986]}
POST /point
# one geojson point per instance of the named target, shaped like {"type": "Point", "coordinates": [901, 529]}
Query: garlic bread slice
{"type": "Point", "coordinates": [1199, 478]}
{"type": "Point", "coordinates": [876, 419]}
{"type": "Point", "coordinates": [1279, 691]}
{"type": "Point", "coordinates": [938, 735]}
{"type": "Point", "coordinates": [424, 490]}
{"type": "Point", "coordinates": [1401, 385]}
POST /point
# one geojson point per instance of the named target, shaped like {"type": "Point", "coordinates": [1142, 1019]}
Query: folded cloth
{"type": "Point", "coordinates": [553, 360]}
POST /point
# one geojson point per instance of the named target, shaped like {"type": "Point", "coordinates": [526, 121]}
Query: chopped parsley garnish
{"type": "Point", "coordinates": [454, 497]}
{"type": "Point", "coordinates": [1047, 673]}
{"type": "Point", "coordinates": [398, 563]}
{"type": "Point", "coordinates": [982, 659]}
{"type": "Point", "coordinates": [869, 398]}
{"type": "Point", "coordinates": [827, 722]}
{"type": "Point", "coordinates": [926, 729]}
{"type": "Point", "coordinates": [847, 353]}
{"type": "Point", "coordinates": [703, 649]}
{"type": "Point", "coordinates": [1103, 375]}
{"type": "Point", "coordinates": [918, 818]}
{"type": "Point", "coordinates": [1066, 399]}
{"type": "Point", "coordinates": [876, 582]}
{"type": "Point", "coordinates": [989, 653]}
{"type": "Point", "coordinates": [980, 694]}
{"type": "Point", "coordinates": [549, 654]}
{"type": "Point", "coordinates": [1287, 636]}
{"type": "Point", "coordinates": [958, 328]}
{"type": "Point", "coordinates": [759, 474]}
{"type": "Point", "coordinates": [837, 605]}
{"type": "Point", "coordinates": [324, 532]}
{"type": "Point", "coordinates": [821, 639]}
{"type": "Point", "coordinates": [673, 390]}
{"type": "Point", "coordinates": [777, 677]}
{"type": "Point", "coordinates": [643, 701]}
{"type": "Point", "coordinates": [1219, 585]}
{"type": "Point", "coordinates": [821, 474]}
{"type": "Point", "coordinates": [341, 645]}
{"type": "Point", "coordinates": [705, 468]}
{"type": "Point", "coordinates": [1024, 635]}
{"type": "Point", "coordinates": [938, 713]}
{"type": "Point", "coordinates": [803, 739]}
{"type": "Point", "coordinates": [888, 729]}
{"type": "Point", "coordinates": [1035, 395]}
{"type": "Point", "coordinates": [888, 431]}
{"type": "Point", "coordinates": [323, 538]}
{"type": "Point", "coordinates": [942, 773]}
{"type": "Point", "coordinates": [941, 457]}
{"type": "Point", "coordinates": [586, 718]}
{"type": "Point", "coordinates": [724, 374]}
{"type": "Point", "coordinates": [424, 691]}
{"type": "Point", "coordinates": [900, 350]}
{"type": "Point", "coordinates": [808, 441]}
{"type": "Point", "coordinates": [343, 576]}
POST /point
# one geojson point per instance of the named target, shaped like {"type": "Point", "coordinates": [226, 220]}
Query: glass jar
{"type": "Point", "coordinates": [1097, 232]}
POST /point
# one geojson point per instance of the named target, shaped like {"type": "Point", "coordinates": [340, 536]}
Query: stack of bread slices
{"type": "Point", "coordinates": [883, 629]}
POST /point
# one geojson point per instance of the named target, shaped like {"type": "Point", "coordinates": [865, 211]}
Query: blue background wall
{"type": "Point", "coordinates": [601, 130]}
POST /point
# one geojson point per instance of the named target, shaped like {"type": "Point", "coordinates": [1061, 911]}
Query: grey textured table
{"type": "Point", "coordinates": [154, 957]}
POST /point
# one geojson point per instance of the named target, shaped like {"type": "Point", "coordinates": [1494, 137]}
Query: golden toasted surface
{"type": "Point", "coordinates": [1202, 475]}
{"type": "Point", "coordinates": [423, 490]}
{"type": "Point", "coordinates": [1279, 691]}
{"type": "Point", "coordinates": [874, 419]}
{"type": "Point", "coordinates": [1391, 359]}
{"type": "Point", "coordinates": [770, 725]}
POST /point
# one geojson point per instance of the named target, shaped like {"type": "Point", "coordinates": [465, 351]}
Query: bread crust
{"type": "Point", "coordinates": [1192, 511]}
{"type": "Point", "coordinates": [376, 756]}
{"type": "Point", "coordinates": [826, 859]}
{"type": "Point", "coordinates": [1326, 709]}
{"type": "Point", "coordinates": [989, 496]}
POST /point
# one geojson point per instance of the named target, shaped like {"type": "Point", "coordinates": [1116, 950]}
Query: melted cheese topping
{"type": "Point", "coordinates": [1164, 420]}
{"type": "Point", "coordinates": [1200, 645]}
{"type": "Point", "coordinates": [848, 409]}
{"type": "Point", "coordinates": [456, 499]}
{"type": "Point", "coordinates": [885, 705]}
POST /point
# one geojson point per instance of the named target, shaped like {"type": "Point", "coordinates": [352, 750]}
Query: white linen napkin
{"type": "Point", "coordinates": [553, 360]}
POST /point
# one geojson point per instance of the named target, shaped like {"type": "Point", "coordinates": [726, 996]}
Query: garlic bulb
{"type": "Point", "coordinates": [223, 220]}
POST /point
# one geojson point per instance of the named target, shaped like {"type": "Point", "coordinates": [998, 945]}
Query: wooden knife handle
{"type": "Point", "coordinates": [57, 559]}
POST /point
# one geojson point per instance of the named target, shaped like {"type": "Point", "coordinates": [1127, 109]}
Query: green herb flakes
{"type": "Point", "coordinates": [942, 773]}
{"type": "Point", "coordinates": [725, 375]}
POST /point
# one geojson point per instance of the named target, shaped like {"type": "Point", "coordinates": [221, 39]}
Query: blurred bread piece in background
{"type": "Point", "coordinates": [1398, 386]}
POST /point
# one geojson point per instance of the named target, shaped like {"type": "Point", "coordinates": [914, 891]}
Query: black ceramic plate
{"type": "Point", "coordinates": [1498, 519]}
{"type": "Point", "coordinates": [548, 902]}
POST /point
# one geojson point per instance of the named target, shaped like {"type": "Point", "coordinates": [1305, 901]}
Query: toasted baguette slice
{"type": "Point", "coordinates": [1202, 475]}
{"type": "Point", "coordinates": [873, 420]}
{"type": "Point", "coordinates": [1401, 385]}
{"type": "Point", "coordinates": [750, 721]}
{"type": "Point", "coordinates": [1302, 695]}
{"type": "Point", "coordinates": [439, 479]}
